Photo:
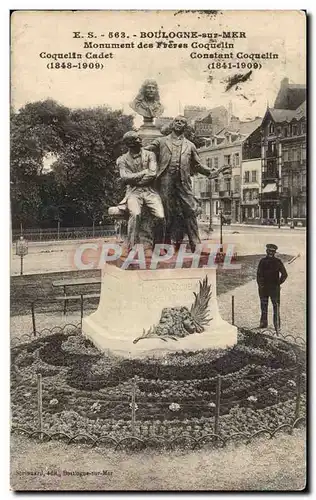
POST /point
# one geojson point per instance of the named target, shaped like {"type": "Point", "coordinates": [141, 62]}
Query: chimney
{"type": "Point", "coordinates": [230, 112]}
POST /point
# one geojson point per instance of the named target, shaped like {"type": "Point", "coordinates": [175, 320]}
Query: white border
{"type": "Point", "coordinates": [309, 6]}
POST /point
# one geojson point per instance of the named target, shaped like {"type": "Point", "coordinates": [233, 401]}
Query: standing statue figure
{"type": "Point", "coordinates": [178, 159]}
{"type": "Point", "coordinates": [138, 169]}
{"type": "Point", "coordinates": [147, 102]}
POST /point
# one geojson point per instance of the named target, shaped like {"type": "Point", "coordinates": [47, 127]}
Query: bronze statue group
{"type": "Point", "coordinates": [158, 187]}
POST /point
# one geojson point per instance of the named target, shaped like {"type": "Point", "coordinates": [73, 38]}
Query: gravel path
{"type": "Point", "coordinates": [293, 302]}
{"type": "Point", "coordinates": [264, 465]}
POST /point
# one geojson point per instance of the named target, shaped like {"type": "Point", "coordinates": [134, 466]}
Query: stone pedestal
{"type": "Point", "coordinates": [148, 131]}
{"type": "Point", "coordinates": [132, 301]}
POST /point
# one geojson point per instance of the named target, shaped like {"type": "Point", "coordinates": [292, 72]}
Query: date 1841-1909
{"type": "Point", "coordinates": [238, 65]}
{"type": "Point", "coordinates": [79, 65]}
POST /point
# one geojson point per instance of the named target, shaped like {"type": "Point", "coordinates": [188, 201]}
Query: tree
{"type": "Point", "coordinates": [87, 166]}
{"type": "Point", "coordinates": [83, 182]}
{"type": "Point", "coordinates": [36, 130]}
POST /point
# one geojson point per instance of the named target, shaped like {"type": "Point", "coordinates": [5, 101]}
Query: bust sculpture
{"type": "Point", "coordinates": [147, 102]}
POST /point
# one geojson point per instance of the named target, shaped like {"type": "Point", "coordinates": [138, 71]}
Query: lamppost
{"type": "Point", "coordinates": [21, 250]}
{"type": "Point", "coordinates": [292, 201]}
{"type": "Point", "coordinates": [278, 183]}
{"type": "Point", "coordinates": [210, 228]}
{"type": "Point", "coordinates": [221, 230]}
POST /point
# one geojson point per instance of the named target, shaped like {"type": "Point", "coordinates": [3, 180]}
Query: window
{"type": "Point", "coordinates": [227, 186]}
{"type": "Point", "coordinates": [294, 130]}
{"type": "Point", "coordinates": [216, 207]}
{"type": "Point", "coordinates": [247, 175]}
{"type": "Point", "coordinates": [209, 162]}
{"type": "Point", "coordinates": [303, 128]}
{"type": "Point", "coordinates": [236, 183]}
{"type": "Point", "coordinates": [216, 162]}
{"type": "Point", "coordinates": [304, 153]}
{"type": "Point", "coordinates": [291, 155]}
{"type": "Point", "coordinates": [271, 128]}
{"type": "Point", "coordinates": [298, 154]}
{"type": "Point", "coordinates": [285, 131]}
{"type": "Point", "coordinates": [254, 176]}
{"type": "Point", "coordinates": [285, 155]}
{"type": "Point", "coordinates": [216, 185]}
{"type": "Point", "coordinates": [226, 159]}
{"type": "Point", "coordinates": [237, 159]}
{"type": "Point", "coordinates": [271, 148]}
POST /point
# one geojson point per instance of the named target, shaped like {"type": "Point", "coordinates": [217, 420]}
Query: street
{"type": "Point", "coordinates": [48, 257]}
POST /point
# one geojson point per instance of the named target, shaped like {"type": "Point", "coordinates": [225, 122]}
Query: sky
{"type": "Point", "coordinates": [182, 81]}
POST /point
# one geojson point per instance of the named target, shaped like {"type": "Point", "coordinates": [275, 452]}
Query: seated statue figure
{"type": "Point", "coordinates": [138, 170]}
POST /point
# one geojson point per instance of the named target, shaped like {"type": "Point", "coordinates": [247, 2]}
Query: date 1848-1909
{"type": "Point", "coordinates": [78, 65]}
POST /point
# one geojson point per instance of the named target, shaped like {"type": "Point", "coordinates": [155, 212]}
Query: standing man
{"type": "Point", "coordinates": [271, 273]}
{"type": "Point", "coordinates": [138, 169]}
{"type": "Point", "coordinates": [178, 159]}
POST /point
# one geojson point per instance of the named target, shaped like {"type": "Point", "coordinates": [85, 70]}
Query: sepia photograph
{"type": "Point", "coordinates": [158, 225]}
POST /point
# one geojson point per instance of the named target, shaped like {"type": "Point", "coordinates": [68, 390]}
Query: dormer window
{"type": "Point", "coordinates": [271, 128]}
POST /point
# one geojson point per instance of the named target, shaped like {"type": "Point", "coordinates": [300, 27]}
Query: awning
{"type": "Point", "coordinates": [270, 188]}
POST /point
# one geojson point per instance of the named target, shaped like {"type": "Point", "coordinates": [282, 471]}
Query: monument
{"type": "Point", "coordinates": [138, 171]}
{"type": "Point", "coordinates": [147, 104]}
{"type": "Point", "coordinates": [154, 305]}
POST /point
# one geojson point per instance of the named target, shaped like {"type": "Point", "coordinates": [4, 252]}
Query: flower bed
{"type": "Point", "coordinates": [86, 391]}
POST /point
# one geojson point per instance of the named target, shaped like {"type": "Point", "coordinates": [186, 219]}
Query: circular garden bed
{"type": "Point", "coordinates": [85, 391]}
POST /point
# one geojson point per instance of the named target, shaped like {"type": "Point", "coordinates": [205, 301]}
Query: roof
{"type": "Point", "coordinates": [290, 95]}
{"type": "Point", "coordinates": [281, 115]}
{"type": "Point", "coordinates": [246, 128]}
{"type": "Point", "coordinates": [201, 115]}
{"type": "Point", "coordinates": [301, 111]}
{"type": "Point", "coordinates": [287, 115]}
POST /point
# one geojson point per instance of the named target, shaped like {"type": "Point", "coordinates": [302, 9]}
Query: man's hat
{"type": "Point", "coordinates": [131, 135]}
{"type": "Point", "coordinates": [271, 246]}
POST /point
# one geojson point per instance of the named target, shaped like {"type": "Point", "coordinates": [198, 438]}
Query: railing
{"type": "Point", "coordinates": [269, 174]}
{"type": "Point", "coordinates": [294, 165]}
{"type": "Point", "coordinates": [271, 154]}
{"type": "Point", "coordinates": [225, 194]}
{"type": "Point", "coordinates": [255, 201]}
{"type": "Point", "coordinates": [204, 194]}
{"type": "Point", "coordinates": [65, 233]}
{"type": "Point", "coordinates": [131, 432]}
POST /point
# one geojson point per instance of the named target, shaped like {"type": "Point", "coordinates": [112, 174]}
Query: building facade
{"type": "Point", "coordinates": [283, 196]}
{"type": "Point", "coordinates": [251, 178]}
{"type": "Point", "coordinates": [223, 151]}
{"type": "Point", "coordinates": [206, 122]}
{"type": "Point", "coordinates": [250, 191]}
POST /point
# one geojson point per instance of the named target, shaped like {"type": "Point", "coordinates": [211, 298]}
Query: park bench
{"type": "Point", "coordinates": [76, 282]}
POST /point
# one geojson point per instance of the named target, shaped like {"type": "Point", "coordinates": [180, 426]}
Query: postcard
{"type": "Point", "coordinates": [158, 256]}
